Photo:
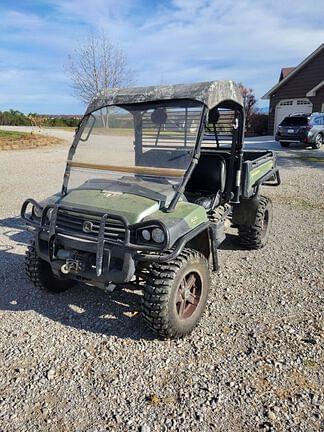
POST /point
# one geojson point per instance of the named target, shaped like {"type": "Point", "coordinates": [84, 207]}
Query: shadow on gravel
{"type": "Point", "coordinates": [82, 307]}
{"type": "Point", "coordinates": [231, 243]}
{"type": "Point", "coordinates": [15, 229]}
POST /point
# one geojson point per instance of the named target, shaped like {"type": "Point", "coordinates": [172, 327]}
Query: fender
{"type": "Point", "coordinates": [245, 212]}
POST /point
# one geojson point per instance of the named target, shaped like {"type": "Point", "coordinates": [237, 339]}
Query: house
{"type": "Point", "coordinates": [300, 89]}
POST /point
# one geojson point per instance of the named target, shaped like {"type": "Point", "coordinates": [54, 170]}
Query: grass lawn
{"type": "Point", "coordinates": [12, 140]}
{"type": "Point", "coordinates": [98, 131]}
{"type": "Point", "coordinates": [12, 134]}
{"type": "Point", "coordinates": [112, 131]}
{"type": "Point", "coordinates": [64, 128]}
{"type": "Point", "coordinates": [316, 159]}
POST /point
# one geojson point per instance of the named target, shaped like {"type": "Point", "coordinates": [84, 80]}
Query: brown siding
{"type": "Point", "coordinates": [318, 100]}
{"type": "Point", "coordinates": [298, 85]}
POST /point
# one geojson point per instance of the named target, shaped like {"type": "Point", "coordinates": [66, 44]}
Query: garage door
{"type": "Point", "coordinates": [290, 106]}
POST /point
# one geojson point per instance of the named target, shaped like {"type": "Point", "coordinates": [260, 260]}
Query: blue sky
{"type": "Point", "coordinates": [171, 41]}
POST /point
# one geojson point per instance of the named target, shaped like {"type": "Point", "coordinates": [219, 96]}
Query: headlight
{"type": "Point", "coordinates": [151, 235]}
{"type": "Point", "coordinates": [37, 211]}
{"type": "Point", "coordinates": [158, 235]}
{"type": "Point", "coordinates": [146, 235]}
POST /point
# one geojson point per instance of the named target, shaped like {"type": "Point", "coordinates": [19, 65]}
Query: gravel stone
{"type": "Point", "coordinates": [83, 361]}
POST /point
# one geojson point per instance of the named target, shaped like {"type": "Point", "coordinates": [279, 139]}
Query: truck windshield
{"type": "Point", "coordinates": [149, 142]}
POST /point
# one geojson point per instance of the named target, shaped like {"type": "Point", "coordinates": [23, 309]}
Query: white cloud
{"type": "Point", "coordinates": [17, 20]}
{"type": "Point", "coordinates": [248, 41]}
{"type": "Point", "coordinates": [185, 41]}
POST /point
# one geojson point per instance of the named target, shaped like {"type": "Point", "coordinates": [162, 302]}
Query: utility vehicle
{"type": "Point", "coordinates": [151, 177]}
{"type": "Point", "coordinates": [302, 128]}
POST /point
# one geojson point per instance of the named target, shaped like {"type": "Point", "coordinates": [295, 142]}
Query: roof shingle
{"type": "Point", "coordinates": [285, 71]}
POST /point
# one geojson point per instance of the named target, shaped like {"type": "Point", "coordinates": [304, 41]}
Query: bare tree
{"type": "Point", "coordinates": [249, 102]}
{"type": "Point", "coordinates": [96, 64]}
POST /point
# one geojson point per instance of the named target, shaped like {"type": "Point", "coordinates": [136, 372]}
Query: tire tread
{"type": "Point", "coordinates": [157, 293]}
{"type": "Point", "coordinates": [34, 269]}
{"type": "Point", "coordinates": [251, 236]}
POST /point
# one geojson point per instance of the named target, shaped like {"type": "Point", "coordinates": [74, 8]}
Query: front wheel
{"type": "Point", "coordinates": [318, 141]}
{"type": "Point", "coordinates": [39, 272]}
{"type": "Point", "coordinates": [256, 236]}
{"type": "Point", "coordinates": [175, 294]}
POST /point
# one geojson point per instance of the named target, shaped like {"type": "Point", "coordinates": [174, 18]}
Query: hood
{"type": "Point", "coordinates": [133, 207]}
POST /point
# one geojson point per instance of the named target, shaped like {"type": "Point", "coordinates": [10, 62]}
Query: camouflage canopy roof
{"type": "Point", "coordinates": [210, 93]}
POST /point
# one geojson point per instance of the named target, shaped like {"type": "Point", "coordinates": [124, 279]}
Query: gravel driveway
{"type": "Point", "coordinates": [84, 361]}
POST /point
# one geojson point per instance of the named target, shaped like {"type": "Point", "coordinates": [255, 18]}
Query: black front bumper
{"type": "Point", "coordinates": [106, 259]}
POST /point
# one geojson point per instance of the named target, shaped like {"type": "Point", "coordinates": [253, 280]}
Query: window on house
{"type": "Point", "coordinates": [303, 102]}
{"type": "Point", "coordinates": [286, 102]}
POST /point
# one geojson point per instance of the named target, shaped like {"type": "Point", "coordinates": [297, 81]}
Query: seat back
{"type": "Point", "coordinates": [165, 158]}
{"type": "Point", "coordinates": [209, 176]}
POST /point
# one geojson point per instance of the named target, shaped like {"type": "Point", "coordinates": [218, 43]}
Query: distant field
{"type": "Point", "coordinates": [12, 140]}
{"type": "Point", "coordinates": [112, 131]}
{"type": "Point", "coordinates": [316, 159]}
{"type": "Point", "coordinates": [11, 134]}
{"type": "Point", "coordinates": [66, 128]}
{"type": "Point", "coordinates": [119, 131]}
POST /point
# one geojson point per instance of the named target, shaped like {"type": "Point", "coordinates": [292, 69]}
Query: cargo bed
{"type": "Point", "coordinates": [258, 167]}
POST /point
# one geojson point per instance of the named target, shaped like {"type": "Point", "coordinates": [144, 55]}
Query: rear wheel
{"type": "Point", "coordinates": [40, 273]}
{"type": "Point", "coordinates": [175, 294]}
{"type": "Point", "coordinates": [318, 141]}
{"type": "Point", "coordinates": [256, 236]}
{"type": "Point", "coordinates": [284, 144]}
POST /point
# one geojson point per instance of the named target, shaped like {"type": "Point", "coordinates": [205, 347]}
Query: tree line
{"type": "Point", "coordinates": [257, 122]}
{"type": "Point", "coordinates": [17, 118]}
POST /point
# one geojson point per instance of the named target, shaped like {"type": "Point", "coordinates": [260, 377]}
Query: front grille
{"type": "Point", "coordinates": [73, 223]}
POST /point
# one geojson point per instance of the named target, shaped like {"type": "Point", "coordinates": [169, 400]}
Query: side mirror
{"type": "Point", "coordinates": [159, 116]}
{"type": "Point", "coordinates": [89, 122]}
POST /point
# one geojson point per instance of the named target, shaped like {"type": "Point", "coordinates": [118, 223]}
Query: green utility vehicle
{"type": "Point", "coordinates": [151, 177]}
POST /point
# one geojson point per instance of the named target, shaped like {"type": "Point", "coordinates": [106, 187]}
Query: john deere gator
{"type": "Point", "coordinates": [151, 177]}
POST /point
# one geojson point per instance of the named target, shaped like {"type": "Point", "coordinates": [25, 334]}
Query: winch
{"type": "Point", "coordinates": [75, 261]}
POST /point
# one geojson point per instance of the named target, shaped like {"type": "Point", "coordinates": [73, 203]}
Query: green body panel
{"type": "Point", "coordinates": [258, 172]}
{"type": "Point", "coordinates": [192, 214]}
{"type": "Point", "coordinates": [136, 208]}
{"type": "Point", "coordinates": [133, 207]}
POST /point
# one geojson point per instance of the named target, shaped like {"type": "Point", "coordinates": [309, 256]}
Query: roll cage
{"type": "Point", "coordinates": [214, 96]}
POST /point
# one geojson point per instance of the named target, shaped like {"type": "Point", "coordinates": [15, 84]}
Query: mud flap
{"type": "Point", "coordinates": [245, 212]}
{"type": "Point", "coordinates": [217, 236]}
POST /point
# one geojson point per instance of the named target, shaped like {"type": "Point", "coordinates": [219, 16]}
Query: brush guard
{"type": "Point", "coordinates": [49, 224]}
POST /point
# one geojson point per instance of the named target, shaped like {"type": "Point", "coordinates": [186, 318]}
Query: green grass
{"type": "Point", "coordinates": [12, 134]}
{"type": "Point", "coordinates": [113, 131]}
{"type": "Point", "coordinates": [13, 140]}
{"type": "Point", "coordinates": [316, 159]}
{"type": "Point", "coordinates": [122, 131]}
{"type": "Point", "coordinates": [98, 131]}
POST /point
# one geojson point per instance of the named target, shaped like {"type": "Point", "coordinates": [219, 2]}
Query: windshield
{"type": "Point", "coordinates": [143, 142]}
{"type": "Point", "coordinates": [294, 121]}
